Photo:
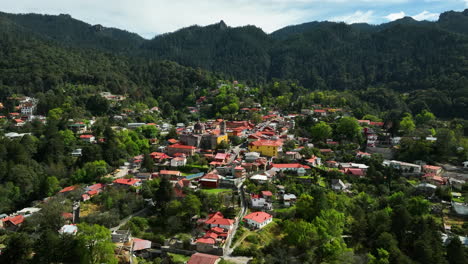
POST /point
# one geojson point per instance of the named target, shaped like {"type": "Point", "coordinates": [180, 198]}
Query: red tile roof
{"type": "Point", "coordinates": [200, 258]}
{"type": "Point", "coordinates": [258, 217]}
{"type": "Point", "coordinates": [179, 146]}
{"type": "Point", "coordinates": [140, 244]}
{"type": "Point", "coordinates": [130, 182]}
{"type": "Point", "coordinates": [290, 166]}
{"type": "Point", "coordinates": [274, 143]}
{"type": "Point", "coordinates": [68, 189]}
{"type": "Point", "coordinates": [266, 193]}
{"type": "Point", "coordinates": [15, 220]}
{"type": "Point", "coordinates": [86, 136]}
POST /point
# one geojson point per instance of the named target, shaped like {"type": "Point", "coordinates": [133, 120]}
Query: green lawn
{"type": "Point", "coordinates": [215, 191]}
{"type": "Point", "coordinates": [178, 258]}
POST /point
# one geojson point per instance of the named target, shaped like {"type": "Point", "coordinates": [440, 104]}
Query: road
{"type": "Point", "coordinates": [126, 219]}
{"type": "Point", "coordinates": [228, 250]}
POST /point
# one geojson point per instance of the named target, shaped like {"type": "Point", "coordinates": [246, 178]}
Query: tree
{"type": "Point", "coordinates": [191, 204]}
{"type": "Point", "coordinates": [321, 131]}
{"type": "Point", "coordinates": [95, 245]}
{"type": "Point", "coordinates": [52, 186]}
{"type": "Point", "coordinates": [300, 233]}
{"type": "Point", "coordinates": [407, 124]}
{"type": "Point", "coordinates": [18, 249]}
{"type": "Point", "coordinates": [424, 117]}
{"type": "Point", "coordinates": [148, 163]}
{"type": "Point", "coordinates": [455, 252]}
{"type": "Point", "coordinates": [348, 127]}
{"type": "Point", "coordinates": [304, 207]}
{"type": "Point", "coordinates": [164, 193]}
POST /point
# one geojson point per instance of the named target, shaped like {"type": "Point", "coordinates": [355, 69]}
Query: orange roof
{"type": "Point", "coordinates": [274, 143]}
{"type": "Point", "coordinates": [179, 146]}
{"type": "Point", "coordinates": [68, 189]}
{"type": "Point", "coordinates": [169, 172]}
{"type": "Point", "coordinates": [15, 220]}
{"type": "Point", "coordinates": [290, 166]}
{"type": "Point", "coordinates": [200, 258]}
{"type": "Point", "coordinates": [258, 217]}
{"type": "Point", "coordinates": [130, 182]}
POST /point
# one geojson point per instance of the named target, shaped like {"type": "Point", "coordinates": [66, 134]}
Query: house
{"type": "Point", "coordinates": [77, 153]}
{"type": "Point", "coordinates": [320, 112]}
{"type": "Point", "coordinates": [251, 156]}
{"type": "Point", "coordinates": [465, 164]}
{"type": "Point", "coordinates": [260, 202]}
{"type": "Point", "coordinates": [259, 178]}
{"type": "Point", "coordinates": [127, 182]}
{"type": "Point", "coordinates": [94, 189]}
{"type": "Point", "coordinates": [18, 122]}
{"type": "Point", "coordinates": [360, 154]}
{"type": "Point", "coordinates": [69, 229]}
{"type": "Point", "coordinates": [200, 258]}
{"type": "Point", "coordinates": [239, 172]}
{"type": "Point", "coordinates": [87, 138]}
{"type": "Point", "coordinates": [12, 222]}
{"type": "Point", "coordinates": [435, 179]}
{"type": "Point", "coordinates": [217, 220]}
{"type": "Point", "coordinates": [159, 157]}
{"type": "Point", "coordinates": [140, 244]}
{"type": "Point", "coordinates": [78, 127]}
{"type": "Point", "coordinates": [456, 183]}
{"type": "Point", "coordinates": [314, 161]}
{"type": "Point", "coordinates": [355, 172]}
{"type": "Point", "coordinates": [269, 148]}
{"type": "Point", "coordinates": [289, 199]}
{"type": "Point", "coordinates": [210, 180]}
{"type": "Point", "coordinates": [258, 219]}
{"type": "Point", "coordinates": [178, 148]}
{"type": "Point", "coordinates": [178, 161]}
{"type": "Point", "coordinates": [68, 189]}
{"type": "Point", "coordinates": [296, 167]}
{"type": "Point", "coordinates": [170, 174]}
{"type": "Point", "coordinates": [338, 185]}
{"type": "Point", "coordinates": [144, 176]}
{"type": "Point", "coordinates": [432, 169]}
{"type": "Point", "coordinates": [402, 166]}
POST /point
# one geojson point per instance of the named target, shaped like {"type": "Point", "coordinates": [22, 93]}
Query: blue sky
{"type": "Point", "coordinates": [151, 17]}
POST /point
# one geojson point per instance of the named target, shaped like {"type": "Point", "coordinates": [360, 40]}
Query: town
{"type": "Point", "coordinates": [222, 190]}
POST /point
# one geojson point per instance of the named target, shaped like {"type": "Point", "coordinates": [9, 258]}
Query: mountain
{"type": "Point", "coordinates": [403, 55]}
{"type": "Point", "coordinates": [69, 31]}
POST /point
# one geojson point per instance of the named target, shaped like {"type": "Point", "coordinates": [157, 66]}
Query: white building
{"type": "Point", "coordinates": [403, 166]}
{"type": "Point", "coordinates": [258, 219]}
{"type": "Point", "coordinates": [260, 202]}
{"type": "Point", "coordinates": [178, 162]}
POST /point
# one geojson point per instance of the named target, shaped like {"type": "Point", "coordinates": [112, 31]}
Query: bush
{"type": "Point", "coordinates": [252, 239]}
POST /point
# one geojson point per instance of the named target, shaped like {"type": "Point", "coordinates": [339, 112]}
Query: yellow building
{"type": "Point", "coordinates": [269, 148]}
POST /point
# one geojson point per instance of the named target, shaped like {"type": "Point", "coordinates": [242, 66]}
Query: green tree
{"type": "Point", "coordinates": [18, 249]}
{"type": "Point", "coordinates": [455, 252]}
{"type": "Point", "coordinates": [321, 131]}
{"type": "Point", "coordinates": [52, 186]}
{"type": "Point", "coordinates": [95, 245]}
{"type": "Point", "coordinates": [424, 117]}
{"type": "Point", "coordinates": [407, 124]}
{"type": "Point", "coordinates": [348, 128]}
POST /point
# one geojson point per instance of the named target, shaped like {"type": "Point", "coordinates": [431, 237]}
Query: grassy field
{"type": "Point", "coordinates": [216, 191]}
{"type": "Point", "coordinates": [262, 237]}
{"type": "Point", "coordinates": [178, 258]}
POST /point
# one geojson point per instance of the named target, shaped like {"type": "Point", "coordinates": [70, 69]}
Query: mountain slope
{"type": "Point", "coordinates": [67, 30]}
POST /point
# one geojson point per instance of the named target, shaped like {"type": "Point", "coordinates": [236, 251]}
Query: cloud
{"type": "Point", "coordinates": [395, 16]}
{"type": "Point", "coordinates": [356, 17]}
{"type": "Point", "coordinates": [426, 15]}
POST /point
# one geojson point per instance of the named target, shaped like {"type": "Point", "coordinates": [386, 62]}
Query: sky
{"type": "Point", "coordinates": [152, 17]}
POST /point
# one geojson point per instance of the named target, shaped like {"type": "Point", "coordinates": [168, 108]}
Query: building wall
{"type": "Point", "coordinates": [269, 151]}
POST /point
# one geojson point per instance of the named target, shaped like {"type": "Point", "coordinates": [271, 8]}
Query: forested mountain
{"type": "Point", "coordinates": [67, 30]}
{"type": "Point", "coordinates": [403, 55]}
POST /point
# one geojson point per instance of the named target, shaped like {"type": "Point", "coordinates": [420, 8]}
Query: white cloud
{"type": "Point", "coordinates": [426, 15]}
{"type": "Point", "coordinates": [356, 17]}
{"type": "Point", "coordinates": [395, 16]}
{"type": "Point", "coordinates": [466, 3]}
